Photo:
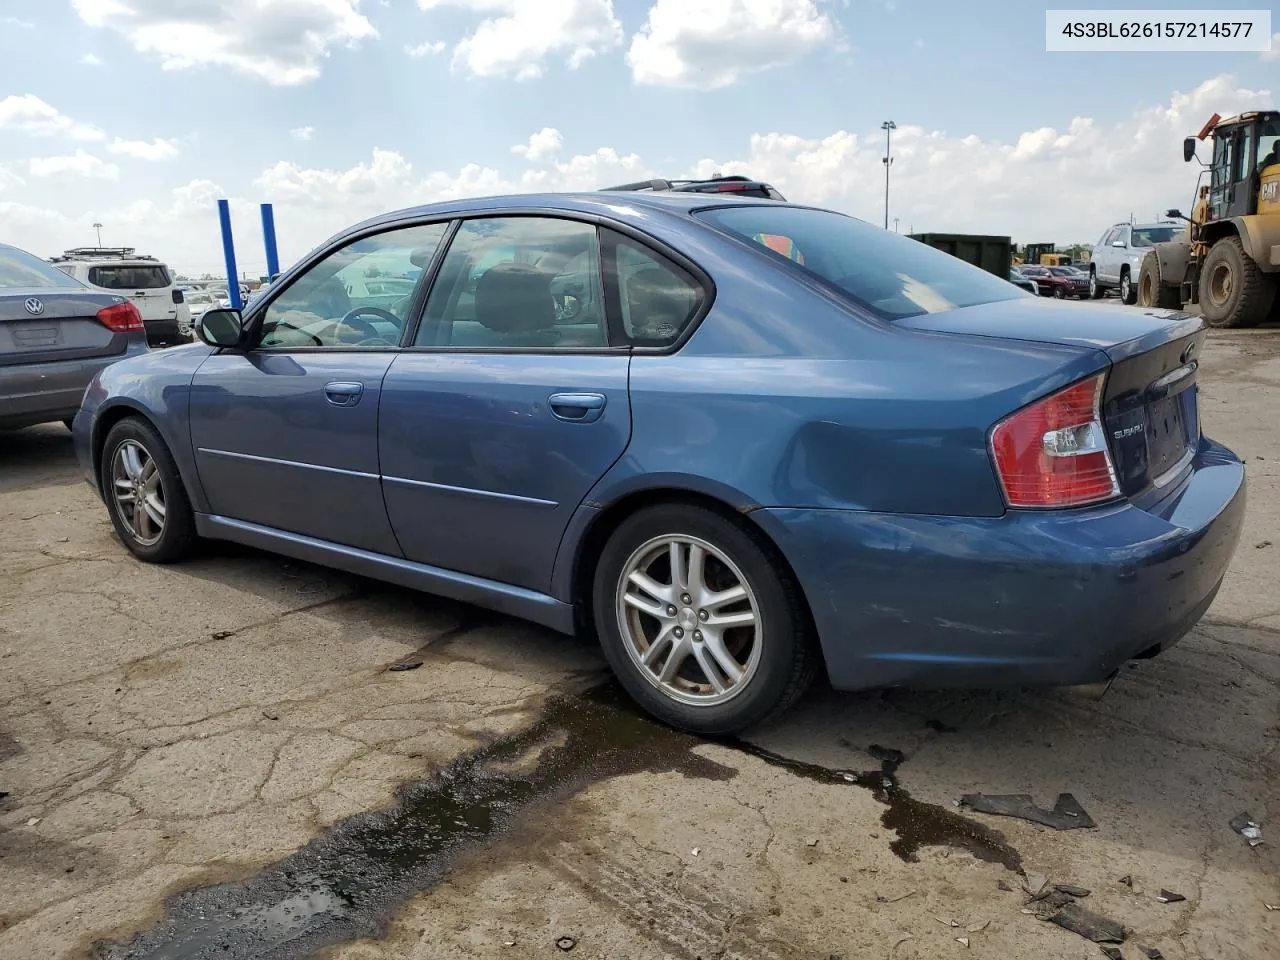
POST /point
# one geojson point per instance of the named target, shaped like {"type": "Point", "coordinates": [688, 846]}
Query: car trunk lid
{"type": "Point", "coordinates": [1150, 406]}
{"type": "Point", "coordinates": [42, 325]}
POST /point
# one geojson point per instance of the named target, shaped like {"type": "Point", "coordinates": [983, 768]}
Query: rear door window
{"type": "Point", "coordinates": [140, 277]}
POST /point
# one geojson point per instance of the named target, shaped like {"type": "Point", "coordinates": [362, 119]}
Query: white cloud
{"type": "Point", "coordinates": [157, 149]}
{"type": "Point", "coordinates": [302, 133]}
{"type": "Point", "coordinates": [1274, 52]}
{"type": "Point", "coordinates": [280, 41]}
{"type": "Point", "coordinates": [27, 113]}
{"type": "Point", "coordinates": [706, 44]}
{"type": "Point", "coordinates": [91, 60]}
{"type": "Point", "coordinates": [425, 49]}
{"type": "Point", "coordinates": [524, 34]}
{"type": "Point", "coordinates": [79, 165]}
{"type": "Point", "coordinates": [15, 22]}
{"type": "Point", "coordinates": [541, 145]}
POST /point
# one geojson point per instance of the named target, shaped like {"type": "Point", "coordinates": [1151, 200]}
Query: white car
{"type": "Point", "coordinates": [144, 280]}
{"type": "Point", "coordinates": [1117, 256]}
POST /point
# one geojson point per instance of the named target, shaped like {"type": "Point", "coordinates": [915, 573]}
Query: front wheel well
{"type": "Point", "coordinates": [106, 420]}
{"type": "Point", "coordinates": [603, 526]}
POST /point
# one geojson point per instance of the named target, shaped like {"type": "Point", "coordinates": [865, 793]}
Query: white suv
{"type": "Point", "coordinates": [144, 280]}
{"type": "Point", "coordinates": [1117, 256]}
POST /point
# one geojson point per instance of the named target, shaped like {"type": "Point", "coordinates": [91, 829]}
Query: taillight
{"type": "Point", "coordinates": [177, 296]}
{"type": "Point", "coordinates": [121, 318]}
{"type": "Point", "coordinates": [1054, 452]}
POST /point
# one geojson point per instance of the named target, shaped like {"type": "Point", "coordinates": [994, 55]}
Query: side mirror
{"type": "Point", "coordinates": [1188, 149]}
{"type": "Point", "coordinates": [221, 328]}
{"type": "Point", "coordinates": [1119, 243]}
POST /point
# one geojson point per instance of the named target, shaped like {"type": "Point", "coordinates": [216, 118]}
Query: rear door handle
{"type": "Point", "coordinates": [577, 407]}
{"type": "Point", "coordinates": [343, 394]}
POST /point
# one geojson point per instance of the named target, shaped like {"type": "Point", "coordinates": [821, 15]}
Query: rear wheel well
{"type": "Point", "coordinates": [597, 535]}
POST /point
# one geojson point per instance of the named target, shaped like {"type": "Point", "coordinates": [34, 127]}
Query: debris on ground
{"type": "Point", "coordinates": [1071, 890]}
{"type": "Point", "coordinates": [963, 941]}
{"type": "Point", "coordinates": [220, 634]}
{"type": "Point", "coordinates": [1087, 924]}
{"type": "Point", "coordinates": [566, 943]}
{"type": "Point", "coordinates": [811, 842]}
{"type": "Point", "coordinates": [1112, 953]}
{"type": "Point", "coordinates": [33, 821]}
{"type": "Point", "coordinates": [270, 716]}
{"type": "Point", "coordinates": [1272, 906]}
{"type": "Point", "coordinates": [978, 927]}
{"type": "Point", "coordinates": [948, 923]}
{"type": "Point", "coordinates": [1128, 881]}
{"type": "Point", "coordinates": [1168, 896]}
{"type": "Point", "coordinates": [881, 898]}
{"type": "Point", "coordinates": [404, 666]}
{"type": "Point", "coordinates": [695, 851]}
{"type": "Point", "coordinates": [886, 754]}
{"type": "Point", "coordinates": [1264, 544]}
{"type": "Point", "coordinates": [1034, 884]}
{"type": "Point", "coordinates": [1151, 953]}
{"type": "Point", "coordinates": [3, 794]}
{"type": "Point", "coordinates": [1247, 827]}
{"type": "Point", "coordinates": [1067, 814]}
{"type": "Point", "coordinates": [1001, 885]}
{"type": "Point", "coordinates": [1052, 900]}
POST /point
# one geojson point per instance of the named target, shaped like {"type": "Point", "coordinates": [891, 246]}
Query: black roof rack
{"type": "Point", "coordinates": [101, 253]}
{"type": "Point", "coordinates": [727, 184]}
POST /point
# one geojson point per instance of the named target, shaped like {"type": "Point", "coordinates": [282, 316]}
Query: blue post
{"type": "Point", "coordinates": [269, 238]}
{"type": "Point", "coordinates": [229, 252]}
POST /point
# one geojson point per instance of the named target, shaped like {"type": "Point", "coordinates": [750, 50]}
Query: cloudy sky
{"type": "Point", "coordinates": [141, 113]}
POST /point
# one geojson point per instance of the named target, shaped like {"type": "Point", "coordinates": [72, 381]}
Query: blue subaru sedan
{"type": "Point", "coordinates": [735, 439]}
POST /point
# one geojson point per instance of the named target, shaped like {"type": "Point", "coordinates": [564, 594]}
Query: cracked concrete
{"type": "Point", "coordinates": [166, 728]}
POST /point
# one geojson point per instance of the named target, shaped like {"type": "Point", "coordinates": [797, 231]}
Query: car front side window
{"type": "Point", "coordinates": [357, 296]}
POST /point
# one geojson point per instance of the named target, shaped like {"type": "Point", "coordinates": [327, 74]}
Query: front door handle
{"type": "Point", "coordinates": [343, 394]}
{"type": "Point", "coordinates": [577, 407]}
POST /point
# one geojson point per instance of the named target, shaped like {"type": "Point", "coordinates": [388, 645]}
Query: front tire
{"type": "Point", "coordinates": [1060, 293]}
{"type": "Point", "coordinates": [700, 620]}
{"type": "Point", "coordinates": [145, 497]}
{"type": "Point", "coordinates": [1128, 292]}
{"type": "Point", "coordinates": [1233, 291]}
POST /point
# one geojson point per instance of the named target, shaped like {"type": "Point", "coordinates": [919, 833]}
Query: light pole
{"type": "Point", "coordinates": [98, 228]}
{"type": "Point", "coordinates": [888, 127]}
{"type": "Point", "coordinates": [895, 224]}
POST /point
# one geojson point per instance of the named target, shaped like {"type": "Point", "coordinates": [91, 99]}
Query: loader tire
{"type": "Point", "coordinates": [1233, 291]}
{"type": "Point", "coordinates": [1152, 290]}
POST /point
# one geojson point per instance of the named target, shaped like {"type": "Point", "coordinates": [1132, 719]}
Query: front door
{"type": "Point", "coordinates": [286, 433]}
{"type": "Point", "coordinates": [511, 404]}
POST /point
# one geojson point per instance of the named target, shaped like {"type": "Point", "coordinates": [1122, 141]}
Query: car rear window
{"type": "Point", "coordinates": [889, 274]}
{"type": "Point", "coordinates": [19, 269]}
{"type": "Point", "coordinates": [140, 277]}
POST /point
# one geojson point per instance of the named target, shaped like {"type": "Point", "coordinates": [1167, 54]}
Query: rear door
{"type": "Point", "coordinates": [148, 285]}
{"type": "Point", "coordinates": [511, 403]}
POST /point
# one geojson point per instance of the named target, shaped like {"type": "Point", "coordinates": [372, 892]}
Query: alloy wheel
{"type": "Point", "coordinates": [1124, 288]}
{"type": "Point", "coordinates": [138, 492]}
{"type": "Point", "coordinates": [689, 620]}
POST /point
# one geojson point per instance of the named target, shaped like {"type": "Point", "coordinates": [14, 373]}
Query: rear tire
{"type": "Point", "coordinates": [1128, 292]}
{"type": "Point", "coordinates": [772, 656]}
{"type": "Point", "coordinates": [1095, 288]}
{"type": "Point", "coordinates": [146, 500]}
{"type": "Point", "coordinates": [1233, 291]}
{"type": "Point", "coordinates": [1152, 290]}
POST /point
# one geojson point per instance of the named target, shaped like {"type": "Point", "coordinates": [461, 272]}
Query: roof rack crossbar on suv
{"type": "Point", "coordinates": [100, 253]}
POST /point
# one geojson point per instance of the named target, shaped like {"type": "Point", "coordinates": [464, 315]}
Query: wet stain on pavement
{"type": "Point", "coordinates": [346, 884]}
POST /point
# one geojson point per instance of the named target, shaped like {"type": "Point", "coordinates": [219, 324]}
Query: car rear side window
{"type": "Point", "coordinates": [656, 299]}
{"type": "Point", "coordinates": [886, 273]}
{"type": "Point", "coordinates": [131, 277]}
{"type": "Point", "coordinates": [20, 269]}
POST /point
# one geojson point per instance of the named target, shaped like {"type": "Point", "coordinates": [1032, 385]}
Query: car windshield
{"type": "Point", "coordinates": [1150, 236]}
{"type": "Point", "coordinates": [1062, 271]}
{"type": "Point", "coordinates": [20, 269]}
{"type": "Point", "coordinates": [889, 274]}
{"type": "Point", "coordinates": [130, 277]}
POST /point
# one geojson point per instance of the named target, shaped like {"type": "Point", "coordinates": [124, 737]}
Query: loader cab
{"type": "Point", "coordinates": [1242, 148]}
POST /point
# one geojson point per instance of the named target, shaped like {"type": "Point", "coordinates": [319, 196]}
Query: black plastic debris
{"type": "Point", "coordinates": [886, 754]}
{"type": "Point", "coordinates": [1168, 896]}
{"type": "Point", "coordinates": [566, 943]}
{"type": "Point", "coordinates": [1247, 827]}
{"type": "Point", "coordinates": [1127, 880]}
{"type": "Point", "coordinates": [1086, 924]}
{"type": "Point", "coordinates": [1151, 953]}
{"type": "Point", "coordinates": [1113, 953]}
{"type": "Point", "coordinates": [1055, 900]}
{"type": "Point", "coordinates": [220, 634]}
{"type": "Point", "coordinates": [1070, 890]}
{"type": "Point", "coordinates": [1000, 884]}
{"type": "Point", "coordinates": [1067, 814]}
{"type": "Point", "coordinates": [404, 666]}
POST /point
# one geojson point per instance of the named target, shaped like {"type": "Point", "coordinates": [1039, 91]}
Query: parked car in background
{"type": "Point", "coordinates": [1076, 283]}
{"type": "Point", "coordinates": [145, 281]}
{"type": "Point", "coordinates": [1018, 279]}
{"type": "Point", "coordinates": [198, 300]}
{"type": "Point", "coordinates": [1051, 284]}
{"type": "Point", "coordinates": [729, 461]}
{"type": "Point", "coordinates": [1117, 256]}
{"type": "Point", "coordinates": [55, 334]}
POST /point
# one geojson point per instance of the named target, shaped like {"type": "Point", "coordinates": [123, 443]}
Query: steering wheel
{"type": "Point", "coordinates": [354, 319]}
{"type": "Point", "coordinates": [286, 325]}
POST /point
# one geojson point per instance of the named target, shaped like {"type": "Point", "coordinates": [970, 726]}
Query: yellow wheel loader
{"type": "Point", "coordinates": [1229, 263]}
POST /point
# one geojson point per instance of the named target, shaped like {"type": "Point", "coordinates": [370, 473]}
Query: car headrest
{"type": "Point", "coordinates": [656, 311]}
{"type": "Point", "coordinates": [422, 257]}
{"type": "Point", "coordinates": [515, 298]}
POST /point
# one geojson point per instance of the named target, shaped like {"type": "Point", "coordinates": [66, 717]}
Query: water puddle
{"type": "Point", "coordinates": [346, 884]}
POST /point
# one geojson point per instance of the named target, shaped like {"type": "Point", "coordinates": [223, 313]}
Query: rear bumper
{"type": "Point", "coordinates": [166, 333]}
{"type": "Point", "coordinates": [1030, 598]}
{"type": "Point", "coordinates": [32, 393]}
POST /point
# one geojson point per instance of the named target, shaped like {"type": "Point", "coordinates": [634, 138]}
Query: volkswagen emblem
{"type": "Point", "coordinates": [35, 306]}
